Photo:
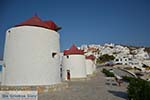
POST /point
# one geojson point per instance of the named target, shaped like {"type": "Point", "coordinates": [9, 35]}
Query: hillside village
{"type": "Point", "coordinates": [39, 65]}
{"type": "Point", "coordinates": [124, 55]}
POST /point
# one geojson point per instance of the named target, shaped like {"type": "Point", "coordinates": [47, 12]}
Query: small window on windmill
{"type": "Point", "coordinates": [9, 31]}
{"type": "Point", "coordinates": [54, 54]}
{"type": "Point", "coordinates": [67, 56]}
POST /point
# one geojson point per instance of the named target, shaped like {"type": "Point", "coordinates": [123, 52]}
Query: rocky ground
{"type": "Point", "coordinates": [97, 88]}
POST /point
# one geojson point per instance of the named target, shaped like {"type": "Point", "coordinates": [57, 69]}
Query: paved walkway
{"type": "Point", "coordinates": [97, 88]}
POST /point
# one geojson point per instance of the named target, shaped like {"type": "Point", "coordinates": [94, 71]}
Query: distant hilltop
{"type": "Point", "coordinates": [130, 47]}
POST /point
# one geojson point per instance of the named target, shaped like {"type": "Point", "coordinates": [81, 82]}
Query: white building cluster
{"type": "Point", "coordinates": [123, 55]}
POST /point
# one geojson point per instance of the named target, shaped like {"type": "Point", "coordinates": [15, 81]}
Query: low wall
{"type": "Point", "coordinates": [40, 89]}
{"type": "Point", "coordinates": [129, 72]}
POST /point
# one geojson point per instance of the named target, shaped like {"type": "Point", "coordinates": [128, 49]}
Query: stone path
{"type": "Point", "coordinates": [97, 88]}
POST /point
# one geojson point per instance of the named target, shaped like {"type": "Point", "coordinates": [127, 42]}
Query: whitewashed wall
{"type": "Point", "coordinates": [28, 56]}
{"type": "Point", "coordinates": [76, 65]}
{"type": "Point", "coordinates": [89, 66]}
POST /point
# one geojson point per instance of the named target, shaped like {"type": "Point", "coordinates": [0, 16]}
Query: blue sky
{"type": "Point", "coordinates": [84, 21]}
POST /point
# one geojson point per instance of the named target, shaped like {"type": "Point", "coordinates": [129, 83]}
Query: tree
{"type": "Point", "coordinates": [105, 58]}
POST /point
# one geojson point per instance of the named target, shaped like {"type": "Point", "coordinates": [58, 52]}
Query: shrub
{"type": "Point", "coordinates": [105, 58]}
{"type": "Point", "coordinates": [107, 73]}
{"type": "Point", "coordinates": [126, 78]}
{"type": "Point", "coordinates": [138, 89]}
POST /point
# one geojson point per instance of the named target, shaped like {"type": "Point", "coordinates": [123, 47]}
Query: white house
{"type": "Point", "coordinates": [141, 54]}
{"type": "Point", "coordinates": [107, 50]}
{"type": "Point", "coordinates": [74, 63]}
{"type": "Point", "coordinates": [136, 63]}
{"type": "Point", "coordinates": [146, 62]}
{"type": "Point", "coordinates": [124, 60]}
{"type": "Point", "coordinates": [31, 54]}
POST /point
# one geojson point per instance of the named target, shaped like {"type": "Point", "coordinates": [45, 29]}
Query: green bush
{"type": "Point", "coordinates": [107, 73]}
{"type": "Point", "coordinates": [126, 78]}
{"type": "Point", "coordinates": [138, 89]}
{"type": "Point", "coordinates": [105, 58]}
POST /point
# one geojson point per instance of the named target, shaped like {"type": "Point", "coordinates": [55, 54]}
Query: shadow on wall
{"type": "Point", "coordinates": [119, 94]}
{"type": "Point", "coordinates": [0, 68]}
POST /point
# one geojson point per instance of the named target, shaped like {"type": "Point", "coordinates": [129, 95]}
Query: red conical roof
{"type": "Point", "coordinates": [91, 57]}
{"type": "Point", "coordinates": [52, 25]}
{"type": "Point", "coordinates": [36, 21]}
{"type": "Point", "coordinates": [73, 50]}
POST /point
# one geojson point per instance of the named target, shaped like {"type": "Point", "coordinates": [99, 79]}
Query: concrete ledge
{"type": "Point", "coordinates": [76, 79]}
{"type": "Point", "coordinates": [40, 89]}
{"type": "Point", "coordinates": [89, 75]}
{"type": "Point", "coordinates": [83, 79]}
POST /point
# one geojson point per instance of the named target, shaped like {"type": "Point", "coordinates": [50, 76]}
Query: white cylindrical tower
{"type": "Point", "coordinates": [94, 66]}
{"type": "Point", "coordinates": [74, 63]}
{"type": "Point", "coordinates": [30, 55]}
{"type": "Point", "coordinates": [90, 64]}
{"type": "Point", "coordinates": [89, 67]}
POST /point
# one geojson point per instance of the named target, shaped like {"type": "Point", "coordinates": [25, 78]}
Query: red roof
{"type": "Point", "coordinates": [73, 50]}
{"type": "Point", "coordinates": [52, 25]}
{"type": "Point", "coordinates": [91, 57]}
{"type": "Point", "coordinates": [36, 21]}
